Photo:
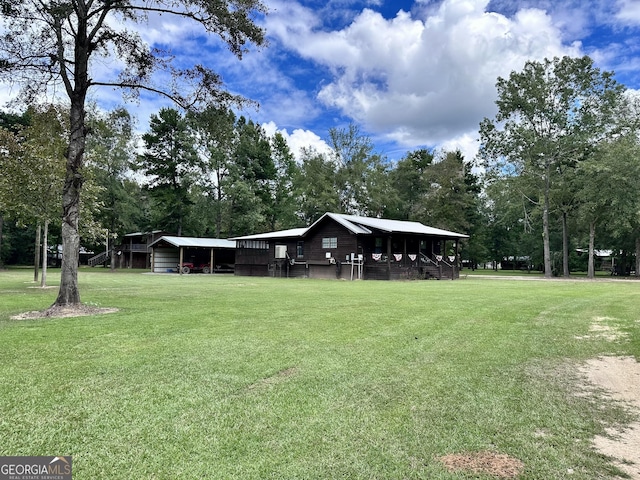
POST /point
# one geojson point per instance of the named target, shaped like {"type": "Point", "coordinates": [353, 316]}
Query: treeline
{"type": "Point", "coordinates": [560, 162]}
{"type": "Point", "coordinates": [562, 167]}
{"type": "Point", "coordinates": [216, 174]}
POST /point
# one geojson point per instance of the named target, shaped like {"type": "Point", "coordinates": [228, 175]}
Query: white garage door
{"type": "Point", "coordinates": [165, 260]}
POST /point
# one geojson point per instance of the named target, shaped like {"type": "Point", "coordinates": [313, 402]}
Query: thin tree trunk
{"type": "Point", "coordinates": [1, 233]}
{"type": "Point", "coordinates": [45, 257]}
{"type": "Point", "coordinates": [638, 257]}
{"type": "Point", "coordinates": [112, 246]}
{"type": "Point", "coordinates": [592, 241]}
{"type": "Point", "coordinates": [218, 202]}
{"type": "Point", "coordinates": [36, 262]}
{"type": "Point", "coordinates": [545, 225]}
{"type": "Point", "coordinates": [565, 246]}
{"type": "Point", "coordinates": [112, 266]}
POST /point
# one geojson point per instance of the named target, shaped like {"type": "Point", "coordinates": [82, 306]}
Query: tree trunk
{"type": "Point", "coordinates": [637, 256]}
{"type": "Point", "coordinates": [592, 241]}
{"type": "Point", "coordinates": [1, 233]}
{"type": "Point", "coordinates": [69, 293]}
{"type": "Point", "coordinates": [77, 86]}
{"type": "Point", "coordinates": [565, 246]}
{"type": "Point", "coordinates": [545, 225]}
{"type": "Point", "coordinates": [45, 258]}
{"type": "Point", "coordinates": [36, 261]}
{"type": "Point", "coordinates": [218, 208]}
{"type": "Point", "coordinates": [112, 266]}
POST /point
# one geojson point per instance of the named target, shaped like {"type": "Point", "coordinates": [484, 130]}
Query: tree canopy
{"type": "Point", "coordinates": [48, 44]}
{"type": "Point", "coordinates": [551, 116]}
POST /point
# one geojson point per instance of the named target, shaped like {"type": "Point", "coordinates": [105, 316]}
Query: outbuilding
{"type": "Point", "coordinates": [191, 254]}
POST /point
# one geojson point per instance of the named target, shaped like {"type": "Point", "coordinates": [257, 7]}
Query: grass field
{"type": "Point", "coordinates": [248, 378]}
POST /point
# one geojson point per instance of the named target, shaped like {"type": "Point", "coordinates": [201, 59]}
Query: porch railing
{"type": "Point", "coordinates": [98, 259]}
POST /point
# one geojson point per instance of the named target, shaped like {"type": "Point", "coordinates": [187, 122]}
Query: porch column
{"type": "Point", "coordinates": [211, 266]}
{"type": "Point", "coordinates": [181, 260]}
{"type": "Point", "coordinates": [404, 253]}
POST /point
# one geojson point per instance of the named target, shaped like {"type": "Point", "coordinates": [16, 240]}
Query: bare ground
{"type": "Point", "coordinates": [61, 312]}
{"type": "Point", "coordinates": [489, 463]}
{"type": "Point", "coordinates": [620, 377]}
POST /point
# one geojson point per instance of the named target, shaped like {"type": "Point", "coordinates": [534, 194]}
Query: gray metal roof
{"type": "Point", "coordinates": [138, 234]}
{"type": "Point", "coordinates": [196, 242]}
{"type": "Point", "coordinates": [291, 233]}
{"type": "Point", "coordinates": [362, 225]}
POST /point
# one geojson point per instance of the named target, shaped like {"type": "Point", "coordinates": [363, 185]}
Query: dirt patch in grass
{"type": "Point", "coordinates": [274, 379]}
{"type": "Point", "coordinates": [600, 329]}
{"type": "Point", "coordinates": [489, 463]}
{"type": "Point", "coordinates": [619, 378]}
{"type": "Point", "coordinates": [62, 312]}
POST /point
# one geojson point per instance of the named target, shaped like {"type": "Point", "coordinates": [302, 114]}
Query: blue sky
{"type": "Point", "coordinates": [410, 74]}
{"type": "Point", "coordinates": [418, 74]}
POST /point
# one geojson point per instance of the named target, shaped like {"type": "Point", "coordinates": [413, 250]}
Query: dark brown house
{"type": "Point", "coordinates": [351, 247]}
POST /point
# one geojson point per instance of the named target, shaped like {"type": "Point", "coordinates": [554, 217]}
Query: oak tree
{"type": "Point", "coordinates": [52, 46]}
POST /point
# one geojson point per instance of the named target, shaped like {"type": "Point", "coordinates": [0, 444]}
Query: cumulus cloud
{"type": "Point", "coordinates": [298, 139]}
{"type": "Point", "coordinates": [420, 80]}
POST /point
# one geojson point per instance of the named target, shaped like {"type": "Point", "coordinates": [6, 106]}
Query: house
{"type": "Point", "coordinates": [351, 247]}
{"type": "Point", "coordinates": [187, 254]}
{"type": "Point", "coordinates": [134, 250]}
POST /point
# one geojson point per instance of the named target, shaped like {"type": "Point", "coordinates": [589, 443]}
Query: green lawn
{"type": "Point", "coordinates": [229, 377]}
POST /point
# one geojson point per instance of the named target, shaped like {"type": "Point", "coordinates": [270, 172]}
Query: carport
{"type": "Point", "coordinates": [186, 254]}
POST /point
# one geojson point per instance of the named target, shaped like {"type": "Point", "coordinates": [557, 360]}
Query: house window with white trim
{"type": "Point", "coordinates": [329, 242]}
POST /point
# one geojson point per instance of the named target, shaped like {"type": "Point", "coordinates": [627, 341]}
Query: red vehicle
{"type": "Point", "coordinates": [188, 267]}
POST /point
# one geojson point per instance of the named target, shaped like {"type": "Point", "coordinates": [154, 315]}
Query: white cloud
{"type": "Point", "coordinates": [628, 12]}
{"type": "Point", "coordinates": [467, 143]}
{"type": "Point", "coordinates": [298, 139]}
{"type": "Point", "coordinates": [421, 81]}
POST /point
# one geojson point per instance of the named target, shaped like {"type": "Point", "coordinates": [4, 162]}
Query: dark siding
{"type": "Point", "coordinates": [314, 263]}
{"type": "Point", "coordinates": [252, 270]}
{"type": "Point", "coordinates": [347, 242]}
{"type": "Point", "coordinates": [252, 262]}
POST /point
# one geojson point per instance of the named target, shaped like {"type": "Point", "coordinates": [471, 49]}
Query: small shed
{"type": "Point", "coordinates": [187, 254]}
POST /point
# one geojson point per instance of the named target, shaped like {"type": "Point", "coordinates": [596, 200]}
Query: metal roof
{"type": "Point", "coordinates": [138, 234]}
{"type": "Point", "coordinates": [195, 242]}
{"type": "Point", "coordinates": [362, 225]}
{"type": "Point", "coordinates": [291, 233]}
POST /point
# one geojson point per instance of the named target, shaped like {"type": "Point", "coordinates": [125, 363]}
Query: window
{"type": "Point", "coordinates": [378, 248]}
{"type": "Point", "coordinates": [330, 242]}
{"type": "Point", "coordinates": [253, 244]}
{"type": "Point", "coordinates": [300, 249]}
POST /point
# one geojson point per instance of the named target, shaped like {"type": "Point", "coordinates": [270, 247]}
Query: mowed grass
{"type": "Point", "coordinates": [225, 377]}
